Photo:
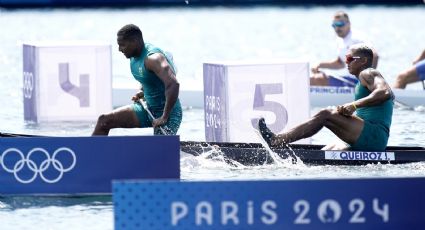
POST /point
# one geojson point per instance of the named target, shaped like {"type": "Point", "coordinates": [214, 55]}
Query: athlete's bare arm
{"type": "Point", "coordinates": [380, 90]}
{"type": "Point", "coordinates": [158, 64]}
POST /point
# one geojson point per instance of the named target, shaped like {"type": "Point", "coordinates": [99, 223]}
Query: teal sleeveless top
{"type": "Point", "coordinates": [153, 87]}
{"type": "Point", "coordinates": [380, 114]}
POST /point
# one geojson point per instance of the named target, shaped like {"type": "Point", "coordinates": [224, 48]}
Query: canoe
{"type": "Point", "coordinates": [256, 154]}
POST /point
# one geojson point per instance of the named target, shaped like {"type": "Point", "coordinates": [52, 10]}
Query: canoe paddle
{"type": "Point", "coordinates": [145, 106]}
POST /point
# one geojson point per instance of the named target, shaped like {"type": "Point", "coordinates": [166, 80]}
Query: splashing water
{"type": "Point", "coordinates": [211, 156]}
{"type": "Point", "coordinates": [3, 205]}
{"type": "Point", "coordinates": [420, 108]}
{"type": "Point", "coordinates": [292, 157]}
{"type": "Point", "coordinates": [217, 155]}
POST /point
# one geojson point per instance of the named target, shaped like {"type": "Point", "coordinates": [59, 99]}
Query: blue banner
{"type": "Point", "coordinates": [293, 204]}
{"type": "Point", "coordinates": [30, 78]}
{"type": "Point", "coordinates": [84, 165]}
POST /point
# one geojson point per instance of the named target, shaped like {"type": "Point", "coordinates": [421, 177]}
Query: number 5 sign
{"type": "Point", "coordinates": [237, 94]}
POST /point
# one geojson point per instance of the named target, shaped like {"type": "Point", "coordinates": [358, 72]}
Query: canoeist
{"type": "Point", "coordinates": [346, 38]}
{"type": "Point", "coordinates": [413, 74]}
{"type": "Point", "coordinates": [368, 130]}
{"type": "Point", "coordinates": [155, 71]}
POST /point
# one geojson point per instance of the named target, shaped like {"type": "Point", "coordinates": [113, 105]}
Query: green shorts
{"type": "Point", "coordinates": [374, 137]}
{"type": "Point", "coordinates": [172, 125]}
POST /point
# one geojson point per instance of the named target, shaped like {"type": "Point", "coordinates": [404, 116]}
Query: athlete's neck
{"type": "Point", "coordinates": [140, 49]}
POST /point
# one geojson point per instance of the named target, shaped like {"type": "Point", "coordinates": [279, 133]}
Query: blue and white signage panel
{"type": "Point", "coordinates": [293, 204]}
{"type": "Point", "coordinates": [236, 94]}
{"type": "Point", "coordinates": [359, 155]}
{"type": "Point", "coordinates": [29, 89]}
{"type": "Point", "coordinates": [65, 81]}
{"type": "Point", "coordinates": [84, 165]}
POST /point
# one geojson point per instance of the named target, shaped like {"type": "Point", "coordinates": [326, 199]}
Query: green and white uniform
{"type": "Point", "coordinates": [154, 91]}
{"type": "Point", "coordinates": [377, 123]}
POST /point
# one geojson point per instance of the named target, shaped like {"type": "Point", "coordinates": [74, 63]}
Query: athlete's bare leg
{"type": "Point", "coordinates": [347, 128]}
{"type": "Point", "coordinates": [123, 117]}
{"type": "Point", "coordinates": [406, 77]}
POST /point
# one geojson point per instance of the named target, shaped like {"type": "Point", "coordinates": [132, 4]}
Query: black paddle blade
{"type": "Point", "coordinates": [265, 132]}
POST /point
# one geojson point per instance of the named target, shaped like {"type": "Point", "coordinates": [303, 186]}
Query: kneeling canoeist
{"type": "Point", "coordinates": [159, 88]}
{"type": "Point", "coordinates": [368, 130]}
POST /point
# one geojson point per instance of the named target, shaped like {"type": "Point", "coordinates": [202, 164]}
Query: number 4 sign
{"type": "Point", "coordinates": [65, 81]}
{"type": "Point", "coordinates": [237, 94]}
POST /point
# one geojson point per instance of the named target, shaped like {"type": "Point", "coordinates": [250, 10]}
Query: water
{"type": "Point", "coordinates": [195, 35]}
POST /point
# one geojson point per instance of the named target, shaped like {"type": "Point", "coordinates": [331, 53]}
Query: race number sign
{"type": "Point", "coordinates": [236, 95]}
{"type": "Point", "coordinates": [350, 204]}
{"type": "Point", "coordinates": [66, 81]}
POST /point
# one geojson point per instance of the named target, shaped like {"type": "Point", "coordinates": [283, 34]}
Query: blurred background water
{"type": "Point", "coordinates": [195, 35]}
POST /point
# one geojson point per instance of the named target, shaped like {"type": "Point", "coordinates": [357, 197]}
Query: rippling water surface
{"type": "Point", "coordinates": [195, 35]}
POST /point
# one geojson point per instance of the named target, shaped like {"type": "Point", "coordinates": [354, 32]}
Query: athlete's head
{"type": "Point", "coordinates": [359, 57]}
{"type": "Point", "coordinates": [341, 24]}
{"type": "Point", "coordinates": [130, 40]}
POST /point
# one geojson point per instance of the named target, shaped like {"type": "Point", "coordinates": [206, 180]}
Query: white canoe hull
{"type": "Point", "coordinates": [319, 96]}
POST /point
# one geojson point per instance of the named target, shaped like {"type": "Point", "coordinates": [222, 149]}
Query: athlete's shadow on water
{"type": "Point", "coordinates": [22, 202]}
{"type": "Point", "coordinates": [60, 128]}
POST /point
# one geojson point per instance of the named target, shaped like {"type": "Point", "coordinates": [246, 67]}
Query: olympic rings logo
{"type": "Point", "coordinates": [32, 165]}
{"type": "Point", "coordinates": [28, 84]}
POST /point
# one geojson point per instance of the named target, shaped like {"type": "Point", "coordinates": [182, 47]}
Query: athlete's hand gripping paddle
{"type": "Point", "coordinates": [145, 106]}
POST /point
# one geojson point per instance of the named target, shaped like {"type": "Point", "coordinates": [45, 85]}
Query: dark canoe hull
{"type": "Point", "coordinates": [256, 154]}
